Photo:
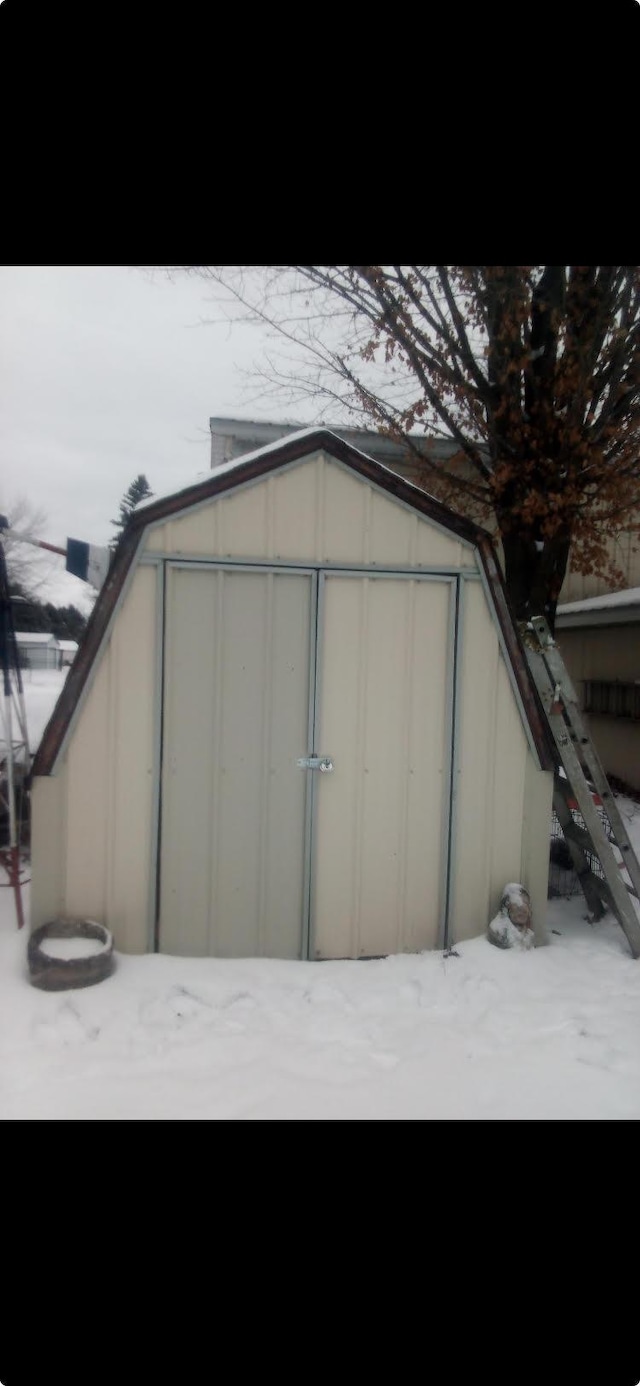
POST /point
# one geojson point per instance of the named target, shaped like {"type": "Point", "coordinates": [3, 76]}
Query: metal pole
{"type": "Point", "coordinates": [10, 857]}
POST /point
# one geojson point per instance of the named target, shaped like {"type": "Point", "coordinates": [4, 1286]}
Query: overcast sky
{"type": "Point", "coordinates": [105, 373]}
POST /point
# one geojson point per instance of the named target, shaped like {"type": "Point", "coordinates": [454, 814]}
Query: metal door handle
{"type": "Point", "coordinates": [322, 763]}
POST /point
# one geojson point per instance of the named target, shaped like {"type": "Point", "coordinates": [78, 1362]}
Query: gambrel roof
{"type": "Point", "coordinates": [251, 468]}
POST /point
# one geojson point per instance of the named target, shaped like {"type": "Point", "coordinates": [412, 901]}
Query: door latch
{"type": "Point", "coordinates": [322, 763]}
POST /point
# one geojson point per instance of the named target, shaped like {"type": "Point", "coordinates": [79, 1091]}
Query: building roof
{"type": "Point", "coordinates": [257, 432]}
{"type": "Point", "coordinates": [611, 609]}
{"type": "Point", "coordinates": [36, 637]}
{"type": "Point", "coordinates": [252, 467]}
{"type": "Point", "coordinates": [68, 644]}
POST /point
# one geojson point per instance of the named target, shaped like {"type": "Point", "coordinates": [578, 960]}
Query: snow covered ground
{"type": "Point", "coordinates": [41, 689]}
{"type": "Point", "coordinates": [553, 1032]}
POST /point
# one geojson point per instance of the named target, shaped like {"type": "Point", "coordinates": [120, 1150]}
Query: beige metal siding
{"type": "Point", "coordinates": [601, 652]}
{"type": "Point", "coordinates": [48, 813]}
{"type": "Point", "coordinates": [316, 512]}
{"type": "Point", "coordinates": [492, 762]}
{"type": "Point", "coordinates": [618, 745]}
{"type": "Point", "coordinates": [233, 800]}
{"type": "Point", "coordinates": [378, 817]}
{"type": "Point", "coordinates": [624, 550]}
{"type": "Point", "coordinates": [609, 653]}
{"type": "Point", "coordinates": [131, 762]}
{"type": "Point", "coordinates": [534, 871]}
{"type": "Point", "coordinates": [93, 818]}
{"type": "Point", "coordinates": [89, 800]}
{"type": "Point", "coordinates": [236, 705]}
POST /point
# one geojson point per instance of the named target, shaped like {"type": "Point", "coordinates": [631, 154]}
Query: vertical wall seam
{"type": "Point", "coordinates": [361, 703]}
{"type": "Point", "coordinates": [213, 799]}
{"type": "Point", "coordinates": [320, 534]}
{"type": "Point", "coordinates": [112, 781]}
{"type": "Point", "coordinates": [456, 759]}
{"type": "Point", "coordinates": [156, 757]}
{"type": "Point", "coordinates": [270, 499]}
{"type": "Point", "coordinates": [265, 757]}
{"type": "Point", "coordinates": [492, 817]}
{"type": "Point", "coordinates": [403, 815]}
{"type": "Point", "coordinates": [161, 626]}
{"type": "Point", "coordinates": [368, 525]}
{"type": "Point", "coordinates": [218, 749]}
{"type": "Point", "coordinates": [64, 770]}
{"type": "Point", "coordinates": [315, 619]}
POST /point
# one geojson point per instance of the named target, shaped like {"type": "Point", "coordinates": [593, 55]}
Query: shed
{"type": "Point", "coordinates": [300, 723]}
{"type": "Point", "coordinates": [68, 652]}
{"type": "Point", "coordinates": [38, 649]}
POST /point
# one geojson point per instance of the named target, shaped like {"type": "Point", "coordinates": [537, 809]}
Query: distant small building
{"type": "Point", "coordinates": [68, 651]}
{"type": "Point", "coordinates": [38, 650]}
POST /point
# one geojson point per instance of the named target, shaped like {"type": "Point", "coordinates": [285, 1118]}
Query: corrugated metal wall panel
{"type": "Point", "coordinates": [88, 802]}
{"type": "Point", "coordinates": [317, 512]}
{"type": "Point", "coordinates": [492, 757]}
{"type": "Point", "coordinates": [476, 760]}
{"type": "Point", "coordinates": [511, 754]}
{"type": "Point", "coordinates": [189, 707]}
{"type": "Point", "coordinates": [378, 817]}
{"type": "Point", "coordinates": [536, 817]}
{"type": "Point", "coordinates": [104, 787]}
{"type": "Point", "coordinates": [297, 510]}
{"type": "Point", "coordinates": [391, 531]}
{"type": "Point", "coordinates": [343, 509]}
{"type": "Point", "coordinates": [131, 763]}
{"type": "Point", "coordinates": [236, 719]}
{"type": "Point", "coordinates": [48, 832]}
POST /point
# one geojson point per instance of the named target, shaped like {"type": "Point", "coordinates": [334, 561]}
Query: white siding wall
{"type": "Point", "coordinates": [92, 820]}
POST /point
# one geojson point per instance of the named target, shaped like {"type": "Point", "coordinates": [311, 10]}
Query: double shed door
{"type": "Point", "coordinates": [260, 856]}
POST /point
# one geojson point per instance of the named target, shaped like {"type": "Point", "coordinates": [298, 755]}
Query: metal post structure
{"type": "Point", "coordinates": [15, 759]}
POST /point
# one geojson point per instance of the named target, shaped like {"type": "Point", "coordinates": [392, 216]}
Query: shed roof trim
{"type": "Point", "coordinates": [231, 466]}
{"type": "Point", "coordinates": [252, 466]}
{"type": "Point", "coordinates": [321, 437]}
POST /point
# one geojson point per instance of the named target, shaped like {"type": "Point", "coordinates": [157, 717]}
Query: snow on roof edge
{"type": "Point", "coordinates": [630, 596]}
{"type": "Point", "coordinates": [230, 466]}
{"type": "Point", "coordinates": [226, 467]}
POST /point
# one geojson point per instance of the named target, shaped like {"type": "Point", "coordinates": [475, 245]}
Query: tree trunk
{"type": "Point", "coordinates": [534, 572]}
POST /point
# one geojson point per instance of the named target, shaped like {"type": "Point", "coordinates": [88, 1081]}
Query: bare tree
{"type": "Point", "coordinates": [533, 371]}
{"type": "Point", "coordinates": [28, 568]}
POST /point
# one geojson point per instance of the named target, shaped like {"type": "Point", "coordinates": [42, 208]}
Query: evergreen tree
{"type": "Point", "coordinates": [139, 490]}
{"type": "Point", "coordinates": [29, 614]}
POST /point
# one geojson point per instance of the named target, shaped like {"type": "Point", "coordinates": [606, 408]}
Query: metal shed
{"type": "Point", "coordinates": [38, 650]}
{"type": "Point", "coordinates": [300, 724]}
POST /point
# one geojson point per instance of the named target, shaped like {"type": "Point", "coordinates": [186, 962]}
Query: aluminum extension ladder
{"type": "Point", "coordinates": [579, 759]}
